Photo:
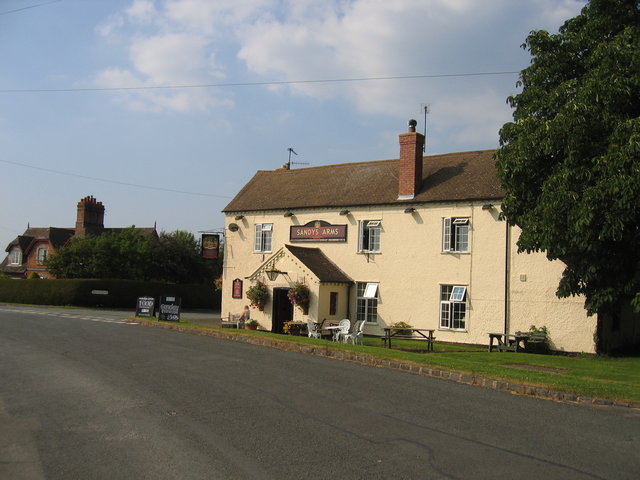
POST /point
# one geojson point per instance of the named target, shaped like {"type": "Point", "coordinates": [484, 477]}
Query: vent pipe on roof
{"type": "Point", "coordinates": [410, 166]}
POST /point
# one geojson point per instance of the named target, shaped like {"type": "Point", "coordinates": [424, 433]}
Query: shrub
{"type": "Point", "coordinates": [402, 325]}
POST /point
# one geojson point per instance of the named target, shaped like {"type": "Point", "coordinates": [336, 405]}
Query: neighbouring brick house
{"type": "Point", "coordinates": [28, 252]}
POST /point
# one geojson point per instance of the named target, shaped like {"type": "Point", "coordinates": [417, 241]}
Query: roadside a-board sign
{"type": "Point", "coordinates": [145, 307]}
{"type": "Point", "coordinates": [169, 308]}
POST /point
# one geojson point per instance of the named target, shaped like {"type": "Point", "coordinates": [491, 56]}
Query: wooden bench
{"type": "Point", "coordinates": [535, 342]}
{"type": "Point", "coordinates": [417, 334]}
{"type": "Point", "coordinates": [507, 342]}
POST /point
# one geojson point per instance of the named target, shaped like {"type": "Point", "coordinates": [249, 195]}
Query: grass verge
{"type": "Point", "coordinates": [609, 378]}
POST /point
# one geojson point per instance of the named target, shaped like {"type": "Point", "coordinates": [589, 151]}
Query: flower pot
{"type": "Point", "coordinates": [250, 327]}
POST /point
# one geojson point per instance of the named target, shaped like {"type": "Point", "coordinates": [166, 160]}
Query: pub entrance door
{"type": "Point", "coordinates": [282, 309]}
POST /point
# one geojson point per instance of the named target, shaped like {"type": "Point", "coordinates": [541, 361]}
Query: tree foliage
{"type": "Point", "coordinates": [570, 160]}
{"type": "Point", "coordinates": [132, 255]}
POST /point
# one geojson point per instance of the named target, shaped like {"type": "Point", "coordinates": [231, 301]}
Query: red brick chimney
{"type": "Point", "coordinates": [410, 172]}
{"type": "Point", "coordinates": [90, 217]}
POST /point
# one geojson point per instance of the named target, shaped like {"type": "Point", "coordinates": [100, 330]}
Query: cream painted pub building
{"type": "Point", "coordinates": [417, 239]}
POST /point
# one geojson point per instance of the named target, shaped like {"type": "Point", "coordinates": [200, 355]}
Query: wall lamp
{"type": "Point", "coordinates": [487, 206]}
{"type": "Point", "coordinates": [344, 212]}
{"type": "Point", "coordinates": [288, 214]}
{"type": "Point", "coordinates": [409, 210]}
{"type": "Point", "coordinates": [239, 217]}
{"type": "Point", "coordinates": [273, 273]}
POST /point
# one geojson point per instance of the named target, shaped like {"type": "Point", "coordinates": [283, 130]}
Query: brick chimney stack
{"type": "Point", "coordinates": [90, 217]}
{"type": "Point", "coordinates": [410, 172]}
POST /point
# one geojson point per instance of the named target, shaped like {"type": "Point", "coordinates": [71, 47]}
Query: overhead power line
{"type": "Point", "coordinates": [128, 184]}
{"type": "Point", "coordinates": [29, 7]}
{"type": "Point", "coordinates": [253, 84]}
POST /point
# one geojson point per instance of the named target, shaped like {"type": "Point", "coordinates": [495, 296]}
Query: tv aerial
{"type": "Point", "coordinates": [289, 163]}
{"type": "Point", "coordinates": [425, 107]}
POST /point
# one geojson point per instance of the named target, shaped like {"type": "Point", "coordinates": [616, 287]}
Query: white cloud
{"type": "Point", "coordinates": [193, 41]}
{"type": "Point", "coordinates": [142, 11]}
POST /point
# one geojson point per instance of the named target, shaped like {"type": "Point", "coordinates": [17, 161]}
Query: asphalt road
{"type": "Point", "coordinates": [86, 396]}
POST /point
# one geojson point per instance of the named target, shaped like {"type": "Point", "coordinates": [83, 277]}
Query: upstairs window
{"type": "Point", "coordinates": [15, 257]}
{"type": "Point", "coordinates": [453, 307]}
{"type": "Point", "coordinates": [455, 234]}
{"type": "Point", "coordinates": [42, 255]}
{"type": "Point", "coordinates": [369, 236]}
{"type": "Point", "coordinates": [262, 242]}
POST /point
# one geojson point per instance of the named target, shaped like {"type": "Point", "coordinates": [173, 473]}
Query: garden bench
{"type": "Point", "coordinates": [507, 342]}
{"type": "Point", "coordinates": [400, 332]}
{"type": "Point", "coordinates": [535, 342]}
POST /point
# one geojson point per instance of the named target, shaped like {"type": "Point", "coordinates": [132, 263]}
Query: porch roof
{"type": "Point", "coordinates": [316, 261]}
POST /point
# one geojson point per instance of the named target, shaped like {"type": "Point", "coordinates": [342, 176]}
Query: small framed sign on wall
{"type": "Point", "coordinates": [236, 291]}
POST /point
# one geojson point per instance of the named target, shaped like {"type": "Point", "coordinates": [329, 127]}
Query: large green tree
{"type": "Point", "coordinates": [570, 160]}
{"type": "Point", "coordinates": [132, 255]}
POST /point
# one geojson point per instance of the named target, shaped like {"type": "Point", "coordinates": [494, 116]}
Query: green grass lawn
{"type": "Point", "coordinates": [588, 375]}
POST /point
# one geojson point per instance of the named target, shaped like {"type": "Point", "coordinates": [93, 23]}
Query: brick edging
{"type": "Point", "coordinates": [414, 368]}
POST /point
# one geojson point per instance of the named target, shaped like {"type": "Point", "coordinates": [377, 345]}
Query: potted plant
{"type": "Point", "coordinates": [293, 328]}
{"type": "Point", "coordinates": [258, 295]}
{"type": "Point", "coordinates": [251, 325]}
{"type": "Point", "coordinates": [299, 295]}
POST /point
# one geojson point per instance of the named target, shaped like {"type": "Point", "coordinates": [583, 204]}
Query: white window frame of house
{"type": "Point", "coordinates": [455, 234]}
{"type": "Point", "coordinates": [263, 237]}
{"type": "Point", "coordinates": [453, 307]}
{"type": "Point", "coordinates": [43, 253]}
{"type": "Point", "coordinates": [367, 302]}
{"type": "Point", "coordinates": [15, 256]}
{"type": "Point", "coordinates": [369, 236]}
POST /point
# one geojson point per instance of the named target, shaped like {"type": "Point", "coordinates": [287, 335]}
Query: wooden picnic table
{"type": "Point", "coordinates": [421, 334]}
{"type": "Point", "coordinates": [507, 342]}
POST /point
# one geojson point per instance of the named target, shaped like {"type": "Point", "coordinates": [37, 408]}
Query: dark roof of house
{"type": "Point", "coordinates": [449, 177]}
{"type": "Point", "coordinates": [57, 237]}
{"type": "Point", "coordinates": [316, 261]}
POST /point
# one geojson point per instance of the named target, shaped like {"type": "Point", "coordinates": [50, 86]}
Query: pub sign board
{"type": "Point", "coordinates": [169, 309]}
{"type": "Point", "coordinates": [210, 245]}
{"type": "Point", "coordinates": [145, 307]}
{"type": "Point", "coordinates": [318, 231]}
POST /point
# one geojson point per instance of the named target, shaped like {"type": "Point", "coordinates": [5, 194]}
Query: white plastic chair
{"type": "Point", "coordinates": [313, 330]}
{"type": "Point", "coordinates": [358, 333]}
{"type": "Point", "coordinates": [343, 331]}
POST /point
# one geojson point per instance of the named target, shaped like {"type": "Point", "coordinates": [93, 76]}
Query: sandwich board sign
{"type": "Point", "coordinates": [169, 309]}
{"type": "Point", "coordinates": [145, 307]}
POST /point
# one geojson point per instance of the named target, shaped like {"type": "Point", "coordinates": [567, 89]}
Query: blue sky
{"type": "Point", "coordinates": [72, 125]}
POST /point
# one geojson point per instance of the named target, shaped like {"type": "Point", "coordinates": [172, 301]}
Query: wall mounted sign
{"type": "Point", "coordinates": [210, 244]}
{"type": "Point", "coordinates": [318, 231]}
{"type": "Point", "coordinates": [236, 291]}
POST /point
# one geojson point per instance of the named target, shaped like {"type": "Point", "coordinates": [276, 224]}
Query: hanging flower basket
{"type": "Point", "coordinates": [299, 295]}
{"type": "Point", "coordinates": [258, 295]}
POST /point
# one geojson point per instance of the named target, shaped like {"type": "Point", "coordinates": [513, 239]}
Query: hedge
{"type": "Point", "coordinates": [121, 293]}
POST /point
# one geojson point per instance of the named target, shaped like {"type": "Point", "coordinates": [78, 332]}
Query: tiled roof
{"type": "Point", "coordinates": [450, 177]}
{"type": "Point", "coordinates": [57, 237]}
{"type": "Point", "coordinates": [316, 261]}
